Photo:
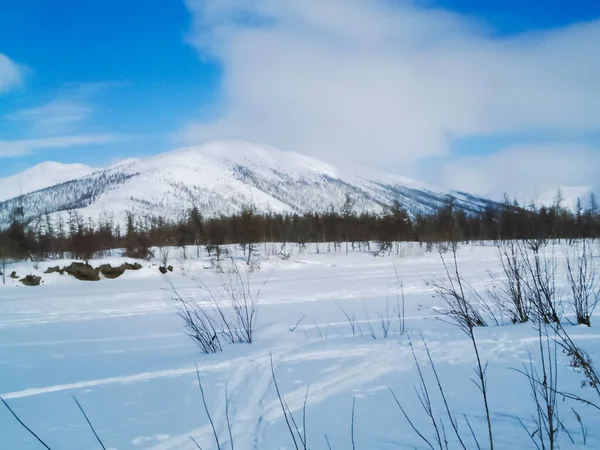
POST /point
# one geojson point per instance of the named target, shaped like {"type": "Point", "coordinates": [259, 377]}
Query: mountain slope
{"type": "Point", "coordinates": [39, 177]}
{"type": "Point", "coordinates": [221, 178]}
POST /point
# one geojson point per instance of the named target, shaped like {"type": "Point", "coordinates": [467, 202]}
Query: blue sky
{"type": "Point", "coordinates": [103, 81]}
{"type": "Point", "coordinates": [125, 63]}
{"type": "Point", "coordinates": [512, 16]}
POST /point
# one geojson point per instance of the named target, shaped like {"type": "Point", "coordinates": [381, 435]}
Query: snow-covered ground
{"type": "Point", "coordinates": [119, 347]}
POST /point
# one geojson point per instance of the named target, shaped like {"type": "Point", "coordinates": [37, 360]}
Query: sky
{"type": "Point", "coordinates": [486, 97]}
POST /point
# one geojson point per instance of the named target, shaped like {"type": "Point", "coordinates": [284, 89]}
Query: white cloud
{"type": "Point", "coordinates": [10, 74]}
{"type": "Point", "coordinates": [67, 112]}
{"type": "Point", "coordinates": [387, 83]}
{"type": "Point", "coordinates": [57, 117]}
{"type": "Point", "coordinates": [527, 173]}
{"type": "Point", "coordinates": [12, 149]}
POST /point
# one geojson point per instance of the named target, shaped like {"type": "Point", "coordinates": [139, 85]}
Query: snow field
{"type": "Point", "coordinates": [119, 347]}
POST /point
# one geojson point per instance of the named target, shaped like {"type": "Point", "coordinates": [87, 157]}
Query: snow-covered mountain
{"type": "Point", "coordinates": [221, 178]}
{"type": "Point", "coordinates": [39, 177]}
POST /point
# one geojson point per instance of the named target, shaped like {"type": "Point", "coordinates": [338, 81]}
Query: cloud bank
{"type": "Point", "coordinates": [16, 148]}
{"type": "Point", "coordinates": [527, 173]}
{"type": "Point", "coordinates": [55, 117]}
{"type": "Point", "coordinates": [391, 83]}
{"type": "Point", "coordinates": [10, 74]}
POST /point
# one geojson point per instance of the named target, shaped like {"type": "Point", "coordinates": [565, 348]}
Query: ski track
{"type": "Point", "coordinates": [321, 351]}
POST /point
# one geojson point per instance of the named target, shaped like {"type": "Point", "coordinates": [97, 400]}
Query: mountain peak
{"type": "Point", "coordinates": [41, 176]}
{"type": "Point", "coordinates": [52, 166]}
{"type": "Point", "coordinates": [220, 178]}
{"type": "Point", "coordinates": [243, 153]}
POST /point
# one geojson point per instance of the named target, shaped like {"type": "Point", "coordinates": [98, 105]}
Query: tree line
{"type": "Point", "coordinates": [73, 235]}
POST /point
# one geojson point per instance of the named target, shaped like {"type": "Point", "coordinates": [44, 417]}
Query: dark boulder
{"type": "Point", "coordinates": [111, 272]}
{"type": "Point", "coordinates": [134, 266]}
{"type": "Point", "coordinates": [31, 280]}
{"type": "Point", "coordinates": [83, 271]}
{"type": "Point", "coordinates": [115, 272]}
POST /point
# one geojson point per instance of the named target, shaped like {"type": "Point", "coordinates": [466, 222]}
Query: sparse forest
{"type": "Point", "coordinates": [80, 237]}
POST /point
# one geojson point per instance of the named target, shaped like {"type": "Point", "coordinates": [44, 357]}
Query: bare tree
{"type": "Point", "coordinates": [347, 212]}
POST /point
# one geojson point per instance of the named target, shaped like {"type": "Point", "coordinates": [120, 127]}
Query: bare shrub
{"type": "Point", "coordinates": [459, 309]}
{"type": "Point", "coordinates": [385, 319]}
{"type": "Point", "coordinates": [369, 324]}
{"type": "Point", "coordinates": [510, 297]}
{"type": "Point", "coordinates": [539, 280]}
{"type": "Point", "coordinates": [583, 283]}
{"type": "Point", "coordinates": [543, 384]}
{"type": "Point", "coordinates": [461, 312]}
{"type": "Point", "coordinates": [227, 314]}
{"type": "Point", "coordinates": [353, 322]}
{"type": "Point", "coordinates": [199, 323]}
{"type": "Point", "coordinates": [439, 438]}
{"type": "Point", "coordinates": [580, 361]}
{"type": "Point", "coordinates": [285, 255]}
{"type": "Point", "coordinates": [383, 247]}
{"type": "Point", "coordinates": [243, 300]}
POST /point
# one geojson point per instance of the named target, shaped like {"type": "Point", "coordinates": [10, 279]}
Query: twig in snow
{"type": "Point", "coordinates": [304, 414]}
{"type": "Point", "coordinates": [583, 427]}
{"type": "Point", "coordinates": [212, 425]}
{"type": "Point", "coordinates": [227, 417]}
{"type": "Point", "coordinates": [328, 443]}
{"type": "Point", "coordinates": [89, 423]}
{"type": "Point", "coordinates": [352, 425]}
{"type": "Point", "coordinates": [23, 425]}
{"type": "Point", "coordinates": [297, 323]}
{"type": "Point", "coordinates": [410, 422]}
{"type": "Point", "coordinates": [281, 402]}
{"type": "Point", "coordinates": [318, 329]}
{"type": "Point", "coordinates": [197, 445]}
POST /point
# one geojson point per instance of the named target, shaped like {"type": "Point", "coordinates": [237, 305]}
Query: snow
{"type": "Point", "coordinates": [39, 177]}
{"type": "Point", "coordinates": [222, 177]}
{"type": "Point", "coordinates": [120, 349]}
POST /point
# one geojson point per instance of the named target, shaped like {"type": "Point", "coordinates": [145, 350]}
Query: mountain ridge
{"type": "Point", "coordinates": [39, 177]}
{"type": "Point", "coordinates": [222, 177]}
